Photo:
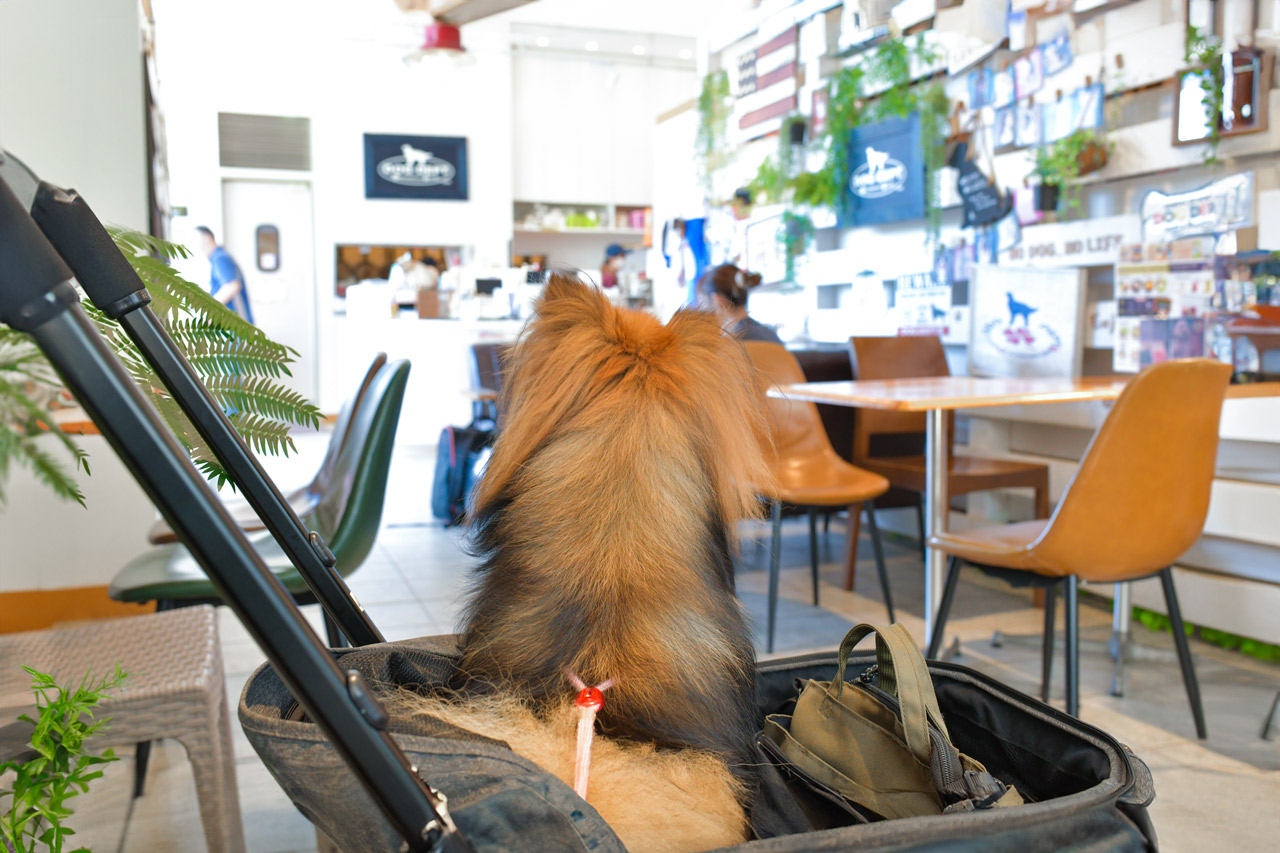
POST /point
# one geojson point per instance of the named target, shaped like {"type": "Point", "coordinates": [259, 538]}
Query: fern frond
{"type": "Point", "coordinates": [15, 445]}
{"type": "Point", "coordinates": [264, 435]}
{"type": "Point", "coordinates": [145, 244]}
{"type": "Point", "coordinates": [264, 397]}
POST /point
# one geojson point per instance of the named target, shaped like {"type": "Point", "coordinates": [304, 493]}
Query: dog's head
{"type": "Point", "coordinates": [603, 381]}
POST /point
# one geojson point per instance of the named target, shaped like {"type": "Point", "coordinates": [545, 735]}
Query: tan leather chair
{"type": "Point", "coordinates": [1136, 503]}
{"type": "Point", "coordinates": [305, 499]}
{"type": "Point", "coordinates": [892, 443]}
{"type": "Point", "coordinates": [809, 473]}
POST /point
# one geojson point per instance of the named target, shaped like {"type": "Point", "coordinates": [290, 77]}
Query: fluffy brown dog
{"type": "Point", "coordinates": [606, 519]}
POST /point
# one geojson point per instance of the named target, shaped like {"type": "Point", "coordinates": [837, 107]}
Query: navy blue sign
{"type": "Point", "coordinates": [886, 172]}
{"type": "Point", "coordinates": [415, 167]}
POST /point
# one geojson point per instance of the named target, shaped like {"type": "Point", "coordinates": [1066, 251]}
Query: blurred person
{"type": "Point", "coordinates": [226, 282]}
{"type": "Point", "coordinates": [614, 257]}
{"type": "Point", "coordinates": [724, 290]}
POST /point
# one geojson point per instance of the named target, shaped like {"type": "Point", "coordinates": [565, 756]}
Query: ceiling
{"type": "Point", "coordinates": [689, 18]}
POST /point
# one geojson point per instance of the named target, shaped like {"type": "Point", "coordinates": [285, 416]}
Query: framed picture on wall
{"type": "Point", "coordinates": [426, 168]}
{"type": "Point", "coordinates": [1026, 321]}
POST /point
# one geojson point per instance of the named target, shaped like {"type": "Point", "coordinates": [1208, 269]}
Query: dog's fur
{"type": "Point", "coordinates": [606, 518]}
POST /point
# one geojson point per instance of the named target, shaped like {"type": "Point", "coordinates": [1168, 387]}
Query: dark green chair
{"type": "Point", "coordinates": [347, 515]}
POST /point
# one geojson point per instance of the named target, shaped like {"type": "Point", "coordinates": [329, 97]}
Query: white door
{"type": "Point", "coordinates": [268, 230]}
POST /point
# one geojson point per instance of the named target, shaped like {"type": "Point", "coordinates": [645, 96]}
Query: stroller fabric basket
{"type": "Point", "coordinates": [1083, 789]}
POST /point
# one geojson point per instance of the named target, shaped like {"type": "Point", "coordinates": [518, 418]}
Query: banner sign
{"type": "Point", "coordinates": [886, 172]}
{"type": "Point", "coordinates": [1026, 322]}
{"type": "Point", "coordinates": [1086, 243]}
{"type": "Point", "coordinates": [1223, 205]}
{"type": "Point", "coordinates": [415, 167]}
{"type": "Point", "coordinates": [923, 303]}
{"type": "Point", "coordinates": [982, 201]}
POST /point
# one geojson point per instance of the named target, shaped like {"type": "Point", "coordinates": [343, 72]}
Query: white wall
{"type": "Point", "coordinates": [585, 128]}
{"type": "Point", "coordinates": [71, 99]}
{"type": "Point", "coordinates": [349, 80]}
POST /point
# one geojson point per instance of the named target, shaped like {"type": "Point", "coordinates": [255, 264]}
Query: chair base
{"type": "Point", "coordinates": [775, 550]}
{"type": "Point", "coordinates": [1070, 585]}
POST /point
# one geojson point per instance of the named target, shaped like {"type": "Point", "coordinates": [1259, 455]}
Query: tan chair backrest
{"type": "Point", "coordinates": [894, 358]}
{"type": "Point", "coordinates": [1140, 496]}
{"type": "Point", "coordinates": [797, 427]}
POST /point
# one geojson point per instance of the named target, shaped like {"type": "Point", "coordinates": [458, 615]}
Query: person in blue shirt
{"type": "Point", "coordinates": [226, 282]}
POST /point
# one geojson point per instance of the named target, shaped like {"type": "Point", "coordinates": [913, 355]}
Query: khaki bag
{"type": "Point", "coordinates": [885, 748]}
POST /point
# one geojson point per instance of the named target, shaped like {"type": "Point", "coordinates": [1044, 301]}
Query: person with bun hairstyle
{"type": "Point", "coordinates": [724, 290]}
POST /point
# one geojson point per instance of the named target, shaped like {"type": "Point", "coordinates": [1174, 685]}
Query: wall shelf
{"type": "Point", "coordinates": [624, 233]}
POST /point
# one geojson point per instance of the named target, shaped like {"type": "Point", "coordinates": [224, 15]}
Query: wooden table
{"type": "Point", "coordinates": [935, 396]}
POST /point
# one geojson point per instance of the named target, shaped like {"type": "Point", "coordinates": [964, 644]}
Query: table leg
{"type": "Point", "coordinates": [1121, 611]}
{"type": "Point", "coordinates": [935, 511]}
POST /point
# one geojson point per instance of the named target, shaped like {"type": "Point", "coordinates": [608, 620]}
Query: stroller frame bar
{"type": "Point", "coordinates": [112, 285]}
{"type": "Point", "coordinates": [36, 297]}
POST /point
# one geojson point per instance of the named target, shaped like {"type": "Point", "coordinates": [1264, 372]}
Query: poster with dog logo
{"type": "Point", "coordinates": [886, 172]}
{"type": "Point", "coordinates": [415, 167]}
{"type": "Point", "coordinates": [1026, 322]}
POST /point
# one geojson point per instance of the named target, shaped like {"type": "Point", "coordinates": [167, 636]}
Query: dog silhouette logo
{"type": "Point", "coordinates": [1026, 340]}
{"type": "Point", "coordinates": [879, 176]}
{"type": "Point", "coordinates": [937, 312]}
{"type": "Point", "coordinates": [414, 156]}
{"type": "Point", "coordinates": [876, 160]}
{"type": "Point", "coordinates": [1019, 309]}
{"type": "Point", "coordinates": [415, 167]}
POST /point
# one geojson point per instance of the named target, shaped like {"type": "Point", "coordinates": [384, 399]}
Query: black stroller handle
{"type": "Point", "coordinates": [36, 297]}
{"type": "Point", "coordinates": [113, 286]}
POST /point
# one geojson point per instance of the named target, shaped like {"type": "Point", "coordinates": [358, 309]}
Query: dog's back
{"type": "Point", "coordinates": [629, 452]}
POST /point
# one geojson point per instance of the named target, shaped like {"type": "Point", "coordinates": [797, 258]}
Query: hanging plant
{"type": "Point", "coordinates": [1204, 54]}
{"type": "Point", "coordinates": [1060, 164]}
{"type": "Point", "coordinates": [777, 172]}
{"type": "Point", "coordinates": [710, 145]}
{"type": "Point", "coordinates": [794, 238]}
{"type": "Point", "coordinates": [880, 88]}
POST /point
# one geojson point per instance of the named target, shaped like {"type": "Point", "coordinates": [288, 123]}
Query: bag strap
{"type": "Point", "coordinates": [902, 674]}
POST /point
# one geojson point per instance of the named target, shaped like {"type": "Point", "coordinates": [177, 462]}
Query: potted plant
{"type": "Point", "coordinates": [1059, 164]}
{"type": "Point", "coordinates": [60, 766]}
{"type": "Point", "coordinates": [239, 364]}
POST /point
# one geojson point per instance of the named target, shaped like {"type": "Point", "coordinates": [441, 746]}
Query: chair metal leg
{"type": "Point", "coordinates": [1046, 643]}
{"type": "Point", "coordinates": [920, 526]}
{"type": "Point", "coordinates": [826, 522]}
{"type": "Point", "coordinates": [878, 549]}
{"type": "Point", "coordinates": [774, 569]}
{"type": "Point", "coordinates": [337, 640]}
{"type": "Point", "coordinates": [1270, 721]}
{"type": "Point", "coordinates": [852, 531]}
{"type": "Point", "coordinates": [1121, 613]}
{"type": "Point", "coordinates": [1073, 645]}
{"type": "Point", "coordinates": [1184, 651]}
{"type": "Point", "coordinates": [813, 551]}
{"type": "Point", "coordinates": [141, 755]}
{"type": "Point", "coordinates": [944, 607]}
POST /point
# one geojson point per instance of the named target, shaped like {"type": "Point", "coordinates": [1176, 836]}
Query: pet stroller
{"type": "Point", "coordinates": [357, 773]}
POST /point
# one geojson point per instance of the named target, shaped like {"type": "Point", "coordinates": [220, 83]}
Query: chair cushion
{"type": "Point", "coordinates": [965, 474]}
{"type": "Point", "coordinates": [1006, 546]}
{"type": "Point", "coordinates": [826, 480]}
{"type": "Point", "coordinates": [169, 572]}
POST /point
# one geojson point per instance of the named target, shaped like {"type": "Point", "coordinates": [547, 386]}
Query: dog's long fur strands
{"type": "Point", "coordinates": [606, 518]}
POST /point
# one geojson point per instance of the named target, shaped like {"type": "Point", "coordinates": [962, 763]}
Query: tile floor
{"type": "Point", "coordinates": [1223, 793]}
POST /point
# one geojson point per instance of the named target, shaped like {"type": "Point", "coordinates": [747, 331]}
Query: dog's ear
{"type": "Point", "coordinates": [545, 377]}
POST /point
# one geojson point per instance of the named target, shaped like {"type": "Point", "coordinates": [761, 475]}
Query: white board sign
{"type": "Point", "coordinates": [1087, 243]}
{"type": "Point", "coordinates": [1026, 322]}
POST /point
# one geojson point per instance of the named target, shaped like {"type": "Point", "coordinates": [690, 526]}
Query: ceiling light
{"type": "Point", "coordinates": [593, 45]}
{"type": "Point", "coordinates": [686, 53]}
{"type": "Point", "coordinates": [638, 50]}
{"type": "Point", "coordinates": [440, 41]}
{"type": "Point", "coordinates": [542, 41]}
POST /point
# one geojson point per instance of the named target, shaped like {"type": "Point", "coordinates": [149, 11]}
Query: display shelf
{"type": "Point", "coordinates": [594, 232]}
